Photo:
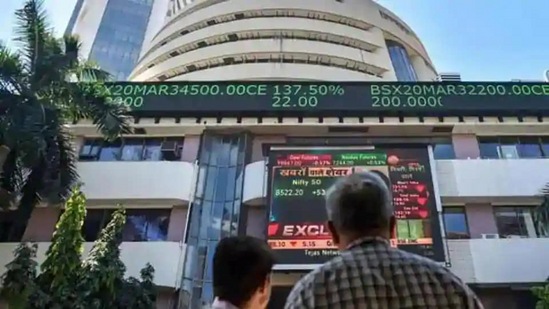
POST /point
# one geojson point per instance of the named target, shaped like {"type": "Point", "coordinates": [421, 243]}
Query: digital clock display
{"type": "Point", "coordinates": [246, 98]}
{"type": "Point", "coordinates": [300, 177]}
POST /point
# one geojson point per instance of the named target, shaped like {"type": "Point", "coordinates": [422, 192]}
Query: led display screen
{"type": "Point", "coordinates": [262, 98]}
{"type": "Point", "coordinates": [300, 177]}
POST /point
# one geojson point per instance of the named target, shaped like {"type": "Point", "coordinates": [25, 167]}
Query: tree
{"type": "Point", "coordinates": [66, 281]}
{"type": "Point", "coordinates": [103, 271]}
{"type": "Point", "coordinates": [541, 214]}
{"type": "Point", "coordinates": [542, 293]}
{"type": "Point", "coordinates": [43, 87]}
{"type": "Point", "coordinates": [62, 268]}
{"type": "Point", "coordinates": [18, 282]}
{"type": "Point", "coordinates": [541, 219]}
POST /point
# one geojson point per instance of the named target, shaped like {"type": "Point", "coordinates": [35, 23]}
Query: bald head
{"type": "Point", "coordinates": [360, 203]}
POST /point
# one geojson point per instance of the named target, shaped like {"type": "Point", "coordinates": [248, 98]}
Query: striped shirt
{"type": "Point", "coordinates": [370, 274]}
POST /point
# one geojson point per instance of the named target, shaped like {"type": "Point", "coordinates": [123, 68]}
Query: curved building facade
{"type": "Point", "coordinates": [349, 40]}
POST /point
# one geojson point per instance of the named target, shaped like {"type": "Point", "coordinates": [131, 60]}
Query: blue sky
{"type": "Point", "coordinates": [481, 39]}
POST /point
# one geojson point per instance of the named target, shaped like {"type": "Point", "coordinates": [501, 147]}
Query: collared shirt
{"type": "Point", "coordinates": [221, 304]}
{"type": "Point", "coordinates": [370, 274]}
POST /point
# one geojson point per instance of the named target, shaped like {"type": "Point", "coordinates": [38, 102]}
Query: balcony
{"type": "Point", "coordinates": [522, 260]}
{"type": "Point", "coordinates": [493, 180]}
{"type": "Point", "coordinates": [160, 182]}
{"type": "Point", "coordinates": [166, 258]}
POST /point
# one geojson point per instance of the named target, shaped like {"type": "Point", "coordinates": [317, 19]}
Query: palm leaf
{"type": "Point", "coordinates": [31, 31]}
{"type": "Point", "coordinates": [11, 72]}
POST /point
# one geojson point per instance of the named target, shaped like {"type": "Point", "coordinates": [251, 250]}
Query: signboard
{"type": "Point", "coordinates": [300, 177]}
{"type": "Point", "coordinates": [262, 98]}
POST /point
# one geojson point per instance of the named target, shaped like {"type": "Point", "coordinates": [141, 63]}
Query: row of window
{"type": "Point", "coordinates": [529, 147]}
{"type": "Point", "coordinates": [510, 222]}
{"type": "Point", "coordinates": [141, 225]}
{"type": "Point", "coordinates": [152, 224]}
{"type": "Point", "coordinates": [150, 149]}
{"type": "Point", "coordinates": [131, 149]}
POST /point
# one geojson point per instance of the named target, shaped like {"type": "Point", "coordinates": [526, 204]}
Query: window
{"type": "Point", "coordinates": [455, 223]}
{"type": "Point", "coordinates": [515, 222]}
{"type": "Point", "coordinates": [146, 225]}
{"type": "Point", "coordinates": [444, 151]}
{"type": "Point", "coordinates": [7, 230]}
{"type": "Point", "coordinates": [528, 147]}
{"type": "Point", "coordinates": [400, 59]}
{"type": "Point", "coordinates": [129, 149]}
{"type": "Point", "coordinates": [141, 224]}
{"type": "Point", "coordinates": [96, 219]}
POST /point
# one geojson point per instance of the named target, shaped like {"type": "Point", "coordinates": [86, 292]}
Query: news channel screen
{"type": "Point", "coordinates": [300, 176]}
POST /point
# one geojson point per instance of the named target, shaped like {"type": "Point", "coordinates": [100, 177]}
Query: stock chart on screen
{"type": "Point", "coordinates": [300, 177]}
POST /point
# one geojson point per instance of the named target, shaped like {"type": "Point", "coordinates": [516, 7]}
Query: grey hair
{"type": "Point", "coordinates": [360, 202]}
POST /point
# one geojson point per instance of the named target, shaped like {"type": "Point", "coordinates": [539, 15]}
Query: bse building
{"type": "Point", "coordinates": [245, 111]}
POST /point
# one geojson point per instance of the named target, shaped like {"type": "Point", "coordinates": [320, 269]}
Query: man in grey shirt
{"type": "Point", "coordinates": [370, 273]}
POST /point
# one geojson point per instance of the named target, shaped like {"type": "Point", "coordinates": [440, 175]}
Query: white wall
{"type": "Point", "coordinates": [110, 182]}
{"type": "Point", "coordinates": [500, 260]}
{"type": "Point", "coordinates": [166, 258]}
{"type": "Point", "coordinates": [492, 178]}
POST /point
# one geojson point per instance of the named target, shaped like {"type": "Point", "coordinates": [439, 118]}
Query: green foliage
{"type": "Point", "coordinates": [67, 282]}
{"type": "Point", "coordinates": [18, 282]}
{"type": "Point", "coordinates": [139, 294]}
{"type": "Point", "coordinates": [103, 270]}
{"type": "Point", "coordinates": [62, 269]}
{"type": "Point", "coordinates": [541, 214]}
{"type": "Point", "coordinates": [39, 94]}
{"type": "Point", "coordinates": [542, 293]}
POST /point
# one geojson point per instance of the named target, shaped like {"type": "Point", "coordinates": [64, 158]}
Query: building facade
{"type": "Point", "coordinates": [189, 181]}
{"type": "Point", "coordinates": [113, 32]}
{"type": "Point", "coordinates": [328, 40]}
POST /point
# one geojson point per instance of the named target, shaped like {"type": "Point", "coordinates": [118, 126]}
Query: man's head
{"type": "Point", "coordinates": [241, 272]}
{"type": "Point", "coordinates": [359, 205]}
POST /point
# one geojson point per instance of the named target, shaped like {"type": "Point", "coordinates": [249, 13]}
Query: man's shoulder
{"type": "Point", "coordinates": [325, 272]}
{"type": "Point", "coordinates": [395, 259]}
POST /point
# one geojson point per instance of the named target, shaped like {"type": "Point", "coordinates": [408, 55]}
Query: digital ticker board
{"type": "Point", "coordinates": [264, 98]}
{"type": "Point", "coordinates": [300, 177]}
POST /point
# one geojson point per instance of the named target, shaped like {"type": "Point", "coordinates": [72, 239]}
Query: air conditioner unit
{"type": "Point", "coordinates": [170, 150]}
{"type": "Point", "coordinates": [490, 236]}
{"type": "Point", "coordinates": [515, 236]}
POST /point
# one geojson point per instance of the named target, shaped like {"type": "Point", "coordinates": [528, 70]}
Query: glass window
{"type": "Point", "coordinates": [146, 225]}
{"type": "Point", "coordinates": [529, 147]}
{"type": "Point", "coordinates": [120, 34]}
{"type": "Point", "coordinates": [508, 152]}
{"type": "Point", "coordinates": [90, 150]}
{"type": "Point", "coordinates": [489, 148]}
{"type": "Point", "coordinates": [152, 150]}
{"type": "Point", "coordinates": [110, 151]}
{"type": "Point", "coordinates": [444, 151]}
{"type": "Point", "coordinates": [402, 65]}
{"type": "Point", "coordinates": [455, 223]}
{"type": "Point", "coordinates": [95, 220]}
{"type": "Point", "coordinates": [132, 150]}
{"type": "Point", "coordinates": [515, 222]}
